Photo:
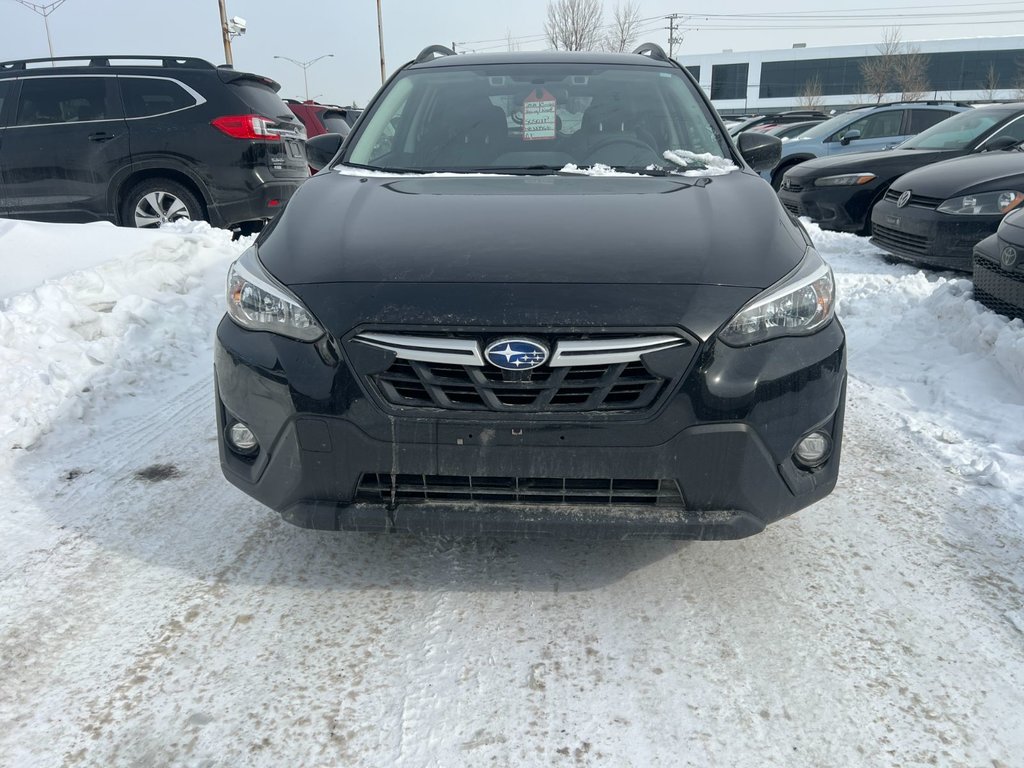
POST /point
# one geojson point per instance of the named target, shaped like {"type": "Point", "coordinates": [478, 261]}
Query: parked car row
{"type": "Point", "coordinates": [144, 141]}
{"type": "Point", "coordinates": [930, 201]}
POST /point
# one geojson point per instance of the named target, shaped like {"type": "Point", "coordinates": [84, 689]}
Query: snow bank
{"type": "Point", "coordinates": [950, 370]}
{"type": "Point", "coordinates": [100, 309]}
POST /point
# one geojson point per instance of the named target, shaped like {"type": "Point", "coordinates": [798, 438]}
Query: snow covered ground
{"type": "Point", "coordinates": [151, 615]}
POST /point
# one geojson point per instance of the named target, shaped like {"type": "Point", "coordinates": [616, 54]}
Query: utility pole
{"type": "Point", "coordinates": [44, 10]}
{"type": "Point", "coordinates": [672, 39]}
{"type": "Point", "coordinates": [380, 40]}
{"type": "Point", "coordinates": [225, 34]}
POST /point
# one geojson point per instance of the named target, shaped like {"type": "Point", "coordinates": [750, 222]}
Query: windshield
{"type": "Point", "coordinates": [533, 117]}
{"type": "Point", "coordinates": [959, 131]}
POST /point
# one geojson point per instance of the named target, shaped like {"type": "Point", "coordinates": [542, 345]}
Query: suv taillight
{"type": "Point", "coordinates": [246, 127]}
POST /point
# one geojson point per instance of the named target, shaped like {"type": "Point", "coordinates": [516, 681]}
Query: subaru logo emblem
{"type": "Point", "coordinates": [904, 199]}
{"type": "Point", "coordinates": [516, 354]}
{"type": "Point", "coordinates": [1009, 256]}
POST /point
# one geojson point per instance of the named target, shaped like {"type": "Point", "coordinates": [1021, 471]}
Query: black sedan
{"type": "Point", "coordinates": [934, 216]}
{"type": "Point", "coordinates": [480, 319]}
{"type": "Point", "coordinates": [999, 268]}
{"type": "Point", "coordinates": [838, 193]}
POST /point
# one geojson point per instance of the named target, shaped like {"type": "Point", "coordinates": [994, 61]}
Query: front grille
{"type": "Point", "coordinates": [916, 201]}
{"type": "Point", "coordinates": [899, 240]}
{"type": "Point", "coordinates": [793, 208]}
{"type": "Point", "coordinates": [999, 289]}
{"type": "Point", "coordinates": [393, 489]}
{"type": "Point", "coordinates": [583, 374]}
{"type": "Point", "coordinates": [792, 186]}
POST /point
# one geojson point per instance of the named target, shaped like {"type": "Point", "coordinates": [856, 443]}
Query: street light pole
{"type": "Point", "coordinates": [380, 42]}
{"type": "Point", "coordinates": [44, 10]}
{"type": "Point", "coordinates": [305, 66]}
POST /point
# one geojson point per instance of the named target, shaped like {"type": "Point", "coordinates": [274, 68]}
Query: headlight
{"type": "Point", "coordinates": [983, 204]}
{"type": "Point", "coordinates": [845, 180]}
{"type": "Point", "coordinates": [258, 302]}
{"type": "Point", "coordinates": [800, 304]}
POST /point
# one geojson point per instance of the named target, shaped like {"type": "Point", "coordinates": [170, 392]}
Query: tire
{"type": "Point", "coordinates": [157, 201]}
{"type": "Point", "coordinates": [780, 172]}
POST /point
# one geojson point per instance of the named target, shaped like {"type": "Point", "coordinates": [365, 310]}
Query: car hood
{"type": "Point", "coordinates": [1011, 228]}
{"type": "Point", "coordinates": [724, 230]}
{"type": "Point", "coordinates": [974, 173]}
{"type": "Point", "coordinates": [878, 163]}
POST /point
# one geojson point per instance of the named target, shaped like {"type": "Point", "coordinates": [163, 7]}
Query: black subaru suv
{"type": "Point", "coordinates": [534, 294]}
{"type": "Point", "coordinates": [142, 141]}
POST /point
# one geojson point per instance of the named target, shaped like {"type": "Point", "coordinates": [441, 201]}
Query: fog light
{"type": "Point", "coordinates": [241, 438]}
{"type": "Point", "coordinates": [813, 449]}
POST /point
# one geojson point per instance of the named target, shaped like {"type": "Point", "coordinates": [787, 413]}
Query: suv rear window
{"type": "Point", "coordinates": [335, 123]}
{"type": "Point", "coordinates": [145, 96]}
{"type": "Point", "coordinates": [262, 99]}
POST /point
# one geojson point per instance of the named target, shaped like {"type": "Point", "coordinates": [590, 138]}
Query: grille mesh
{"type": "Point", "coordinates": [898, 240]}
{"type": "Point", "coordinates": [378, 488]}
{"type": "Point", "coordinates": [998, 289]}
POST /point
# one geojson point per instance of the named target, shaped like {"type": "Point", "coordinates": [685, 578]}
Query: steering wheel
{"type": "Point", "coordinates": [625, 141]}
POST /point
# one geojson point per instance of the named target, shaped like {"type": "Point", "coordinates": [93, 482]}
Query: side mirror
{"type": "Point", "coordinates": [849, 136]}
{"type": "Point", "coordinates": [761, 152]}
{"type": "Point", "coordinates": [320, 150]}
{"type": "Point", "coordinates": [1000, 143]}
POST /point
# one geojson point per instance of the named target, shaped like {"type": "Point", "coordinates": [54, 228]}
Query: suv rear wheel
{"type": "Point", "coordinates": [157, 201]}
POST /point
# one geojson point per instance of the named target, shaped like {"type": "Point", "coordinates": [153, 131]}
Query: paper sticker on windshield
{"type": "Point", "coordinates": [539, 118]}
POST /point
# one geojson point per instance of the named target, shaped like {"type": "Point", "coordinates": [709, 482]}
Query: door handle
{"type": "Point", "coordinates": [101, 136]}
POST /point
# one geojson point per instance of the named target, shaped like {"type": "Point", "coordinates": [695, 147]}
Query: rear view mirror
{"type": "Point", "coordinates": [761, 152]}
{"type": "Point", "coordinates": [320, 150]}
{"type": "Point", "coordinates": [849, 136]}
{"type": "Point", "coordinates": [1001, 142]}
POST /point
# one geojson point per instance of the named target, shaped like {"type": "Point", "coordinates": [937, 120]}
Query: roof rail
{"type": "Point", "coordinates": [185, 62]}
{"type": "Point", "coordinates": [429, 53]}
{"type": "Point", "coordinates": [655, 50]}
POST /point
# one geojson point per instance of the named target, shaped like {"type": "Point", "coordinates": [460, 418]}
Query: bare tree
{"type": "Point", "coordinates": [878, 72]}
{"type": "Point", "coordinates": [811, 95]}
{"type": "Point", "coordinates": [911, 74]}
{"type": "Point", "coordinates": [574, 25]}
{"type": "Point", "coordinates": [625, 27]}
{"type": "Point", "coordinates": [991, 89]}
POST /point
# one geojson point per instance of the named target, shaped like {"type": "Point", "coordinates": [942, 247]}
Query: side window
{"type": "Point", "coordinates": [1015, 130]}
{"type": "Point", "coordinates": [62, 100]}
{"type": "Point", "coordinates": [876, 126]}
{"type": "Point", "coordinates": [146, 96]}
{"type": "Point", "coordinates": [926, 118]}
{"type": "Point", "coordinates": [5, 89]}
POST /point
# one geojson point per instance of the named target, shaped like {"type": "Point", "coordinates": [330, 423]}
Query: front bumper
{"type": "Point", "coordinates": [724, 438]}
{"type": "Point", "coordinates": [842, 209]}
{"type": "Point", "coordinates": [926, 237]}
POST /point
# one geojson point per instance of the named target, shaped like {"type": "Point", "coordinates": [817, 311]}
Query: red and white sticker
{"type": "Point", "coordinates": [539, 116]}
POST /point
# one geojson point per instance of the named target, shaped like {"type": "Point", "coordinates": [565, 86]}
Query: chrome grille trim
{"type": "Point", "coordinates": [433, 349]}
{"type": "Point", "coordinates": [425, 349]}
{"type": "Point", "coordinates": [608, 351]}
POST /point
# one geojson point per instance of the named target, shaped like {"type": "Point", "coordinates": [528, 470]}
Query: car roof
{"type": "Point", "coordinates": [542, 57]}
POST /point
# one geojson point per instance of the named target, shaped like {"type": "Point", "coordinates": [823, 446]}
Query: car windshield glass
{"type": "Point", "coordinates": [536, 118]}
{"type": "Point", "coordinates": [959, 131]}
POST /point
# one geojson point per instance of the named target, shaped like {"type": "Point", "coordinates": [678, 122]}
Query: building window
{"type": "Point", "coordinates": [729, 81]}
{"type": "Point", "coordinates": [695, 71]}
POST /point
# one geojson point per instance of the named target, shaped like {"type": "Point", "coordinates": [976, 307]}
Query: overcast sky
{"type": "Point", "coordinates": [306, 29]}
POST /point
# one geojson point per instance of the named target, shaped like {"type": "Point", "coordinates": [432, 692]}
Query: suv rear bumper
{"type": "Point", "coordinates": [262, 202]}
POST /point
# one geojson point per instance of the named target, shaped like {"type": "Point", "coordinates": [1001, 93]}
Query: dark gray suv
{"type": "Point", "coordinates": [143, 141]}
